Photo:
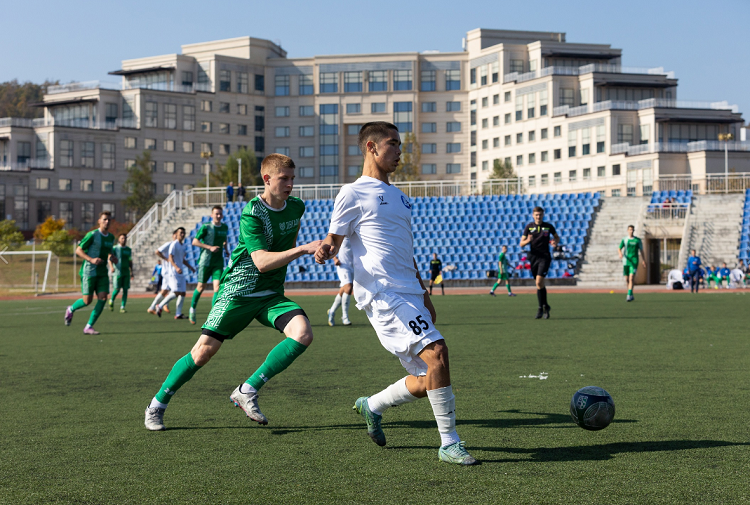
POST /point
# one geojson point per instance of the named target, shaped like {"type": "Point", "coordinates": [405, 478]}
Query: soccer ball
{"type": "Point", "coordinates": [592, 408]}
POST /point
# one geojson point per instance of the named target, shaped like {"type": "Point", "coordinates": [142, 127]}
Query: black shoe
{"type": "Point", "coordinates": [492, 293]}
{"type": "Point", "coordinates": [546, 311]}
{"type": "Point", "coordinates": [539, 313]}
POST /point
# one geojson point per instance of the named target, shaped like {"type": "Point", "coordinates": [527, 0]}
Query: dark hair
{"type": "Point", "coordinates": [105, 213]}
{"type": "Point", "coordinates": [217, 207]}
{"type": "Point", "coordinates": [178, 229]}
{"type": "Point", "coordinates": [122, 235]}
{"type": "Point", "coordinates": [375, 131]}
{"type": "Point", "coordinates": [631, 226]}
{"type": "Point", "coordinates": [538, 209]}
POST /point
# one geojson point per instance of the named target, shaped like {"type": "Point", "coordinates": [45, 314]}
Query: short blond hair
{"type": "Point", "coordinates": [273, 163]}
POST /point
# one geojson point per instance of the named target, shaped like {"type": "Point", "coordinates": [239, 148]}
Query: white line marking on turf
{"type": "Point", "coordinates": [542, 376]}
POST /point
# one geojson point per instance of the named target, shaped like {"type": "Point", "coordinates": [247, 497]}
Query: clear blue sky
{"type": "Point", "coordinates": [705, 43]}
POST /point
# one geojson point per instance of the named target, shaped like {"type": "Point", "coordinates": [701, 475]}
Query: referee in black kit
{"type": "Point", "coordinates": [539, 236]}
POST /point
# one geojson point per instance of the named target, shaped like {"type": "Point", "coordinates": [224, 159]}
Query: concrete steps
{"type": "Point", "coordinates": [714, 228]}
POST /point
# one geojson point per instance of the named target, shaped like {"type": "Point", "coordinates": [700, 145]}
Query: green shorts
{"type": "Point", "coordinates": [122, 283]}
{"type": "Point", "coordinates": [629, 269]}
{"type": "Point", "coordinates": [229, 316]}
{"type": "Point", "coordinates": [213, 269]}
{"type": "Point", "coordinates": [94, 284]}
{"type": "Point", "coordinates": [503, 277]}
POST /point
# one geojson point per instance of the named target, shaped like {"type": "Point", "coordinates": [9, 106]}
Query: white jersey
{"type": "Point", "coordinates": [166, 266]}
{"type": "Point", "coordinates": [177, 250]}
{"type": "Point", "coordinates": [377, 219]}
{"type": "Point", "coordinates": [345, 254]}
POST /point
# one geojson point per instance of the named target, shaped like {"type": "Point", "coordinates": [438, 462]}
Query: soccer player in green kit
{"type": "Point", "coordinates": [122, 271]}
{"type": "Point", "coordinates": [503, 271]}
{"type": "Point", "coordinates": [630, 247]}
{"type": "Point", "coordinates": [95, 249]}
{"type": "Point", "coordinates": [252, 287]}
{"type": "Point", "coordinates": [212, 238]}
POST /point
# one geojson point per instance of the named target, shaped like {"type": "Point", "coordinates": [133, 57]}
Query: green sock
{"type": "Point", "coordinates": [97, 311]}
{"type": "Point", "coordinates": [213, 300]}
{"type": "Point", "coordinates": [124, 297]}
{"type": "Point", "coordinates": [182, 371]}
{"type": "Point", "coordinates": [196, 297]}
{"type": "Point", "coordinates": [494, 287]}
{"type": "Point", "coordinates": [79, 304]}
{"type": "Point", "coordinates": [276, 362]}
{"type": "Point", "coordinates": [507, 285]}
{"type": "Point", "coordinates": [114, 296]}
{"type": "Point", "coordinates": [630, 292]}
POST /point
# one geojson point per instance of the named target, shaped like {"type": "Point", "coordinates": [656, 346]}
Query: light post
{"type": "Point", "coordinates": [239, 177]}
{"type": "Point", "coordinates": [726, 138]}
{"type": "Point", "coordinates": [206, 155]}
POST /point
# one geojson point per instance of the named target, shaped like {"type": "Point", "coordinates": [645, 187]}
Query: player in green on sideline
{"type": "Point", "coordinates": [503, 271]}
{"type": "Point", "coordinates": [212, 239]}
{"type": "Point", "coordinates": [122, 271]}
{"type": "Point", "coordinates": [95, 249]}
{"type": "Point", "coordinates": [630, 247]}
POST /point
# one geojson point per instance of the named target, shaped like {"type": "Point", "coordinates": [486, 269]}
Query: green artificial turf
{"type": "Point", "coordinates": [676, 365]}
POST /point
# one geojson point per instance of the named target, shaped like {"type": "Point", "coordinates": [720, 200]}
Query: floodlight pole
{"type": "Point", "coordinates": [726, 137]}
{"type": "Point", "coordinates": [239, 177]}
{"type": "Point", "coordinates": [206, 155]}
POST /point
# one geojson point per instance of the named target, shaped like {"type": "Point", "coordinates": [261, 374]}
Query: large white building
{"type": "Point", "coordinates": [567, 117]}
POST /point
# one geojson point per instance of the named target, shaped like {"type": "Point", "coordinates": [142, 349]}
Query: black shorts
{"type": "Point", "coordinates": [539, 265]}
{"type": "Point", "coordinates": [434, 274]}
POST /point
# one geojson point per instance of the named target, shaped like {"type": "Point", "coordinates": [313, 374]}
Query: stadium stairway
{"type": "Point", "coordinates": [144, 259]}
{"type": "Point", "coordinates": [714, 228]}
{"type": "Point", "coordinates": [601, 264]}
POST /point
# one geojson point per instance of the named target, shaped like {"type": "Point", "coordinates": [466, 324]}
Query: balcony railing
{"type": "Point", "coordinates": [679, 147]}
{"type": "Point", "coordinates": [69, 123]}
{"type": "Point", "coordinates": [584, 69]}
{"type": "Point", "coordinates": [566, 110]}
{"type": "Point", "coordinates": [82, 86]}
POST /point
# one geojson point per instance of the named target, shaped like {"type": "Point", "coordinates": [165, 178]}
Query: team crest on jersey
{"type": "Point", "coordinates": [382, 200]}
{"type": "Point", "coordinates": [288, 226]}
{"type": "Point", "coordinates": [405, 202]}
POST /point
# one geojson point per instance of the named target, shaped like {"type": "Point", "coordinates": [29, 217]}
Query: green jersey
{"type": "Point", "coordinates": [261, 228]}
{"type": "Point", "coordinates": [631, 246]}
{"type": "Point", "coordinates": [504, 262]}
{"type": "Point", "coordinates": [96, 245]}
{"type": "Point", "coordinates": [124, 263]}
{"type": "Point", "coordinates": [210, 234]}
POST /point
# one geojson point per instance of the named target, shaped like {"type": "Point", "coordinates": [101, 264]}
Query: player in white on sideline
{"type": "Point", "coordinates": [376, 217]}
{"type": "Point", "coordinates": [343, 261]}
{"type": "Point", "coordinates": [162, 291]}
{"type": "Point", "coordinates": [177, 281]}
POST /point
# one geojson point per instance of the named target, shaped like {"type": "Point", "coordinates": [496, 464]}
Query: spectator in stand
{"type": "Point", "coordinates": [721, 275]}
{"type": "Point", "coordinates": [709, 276]}
{"type": "Point", "coordinates": [240, 192]}
{"type": "Point", "coordinates": [230, 192]}
{"type": "Point", "coordinates": [693, 270]}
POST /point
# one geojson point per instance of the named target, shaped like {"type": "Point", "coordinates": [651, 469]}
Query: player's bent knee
{"type": "Point", "coordinates": [298, 328]}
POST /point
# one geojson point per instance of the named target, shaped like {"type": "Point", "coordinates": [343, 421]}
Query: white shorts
{"type": "Point", "coordinates": [177, 282]}
{"type": "Point", "coordinates": [164, 282]}
{"type": "Point", "coordinates": [404, 327]}
{"type": "Point", "coordinates": [346, 275]}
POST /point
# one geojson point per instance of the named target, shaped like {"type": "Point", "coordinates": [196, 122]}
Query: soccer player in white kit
{"type": "Point", "coordinates": [343, 261]}
{"type": "Point", "coordinates": [163, 290]}
{"type": "Point", "coordinates": [376, 216]}
{"type": "Point", "coordinates": [177, 282]}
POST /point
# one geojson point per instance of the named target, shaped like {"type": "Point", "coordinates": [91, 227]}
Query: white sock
{"type": "Point", "coordinates": [156, 301]}
{"type": "Point", "coordinates": [180, 299]}
{"type": "Point", "coordinates": [171, 296]}
{"type": "Point", "coordinates": [247, 389]}
{"type": "Point", "coordinates": [157, 404]}
{"type": "Point", "coordinates": [336, 303]}
{"type": "Point", "coordinates": [394, 395]}
{"type": "Point", "coordinates": [345, 306]}
{"type": "Point", "coordinates": [444, 407]}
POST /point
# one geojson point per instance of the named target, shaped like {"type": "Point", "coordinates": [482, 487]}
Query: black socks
{"type": "Point", "coordinates": [541, 296]}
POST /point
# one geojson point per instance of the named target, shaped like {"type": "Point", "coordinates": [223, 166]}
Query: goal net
{"type": "Point", "coordinates": [30, 272]}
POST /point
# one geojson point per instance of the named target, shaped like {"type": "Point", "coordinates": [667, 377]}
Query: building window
{"type": "Point", "coordinates": [42, 183]}
{"type": "Point", "coordinates": [429, 106]}
{"type": "Point", "coordinates": [452, 80]}
{"type": "Point", "coordinates": [168, 145]}
{"type": "Point", "coordinates": [532, 158]}
{"type": "Point", "coordinates": [485, 123]}
{"type": "Point", "coordinates": [495, 120]}
{"type": "Point", "coordinates": [567, 96]}
{"type": "Point", "coordinates": [377, 107]}
{"type": "Point", "coordinates": [282, 150]}
{"type": "Point", "coordinates": [452, 126]}
{"type": "Point", "coordinates": [571, 151]}
{"type": "Point", "coordinates": [282, 111]}
{"type": "Point", "coordinates": [108, 186]}
{"type": "Point", "coordinates": [544, 156]}
{"type": "Point", "coordinates": [87, 215]}
{"type": "Point", "coordinates": [170, 116]}
{"type": "Point", "coordinates": [452, 106]}
{"type": "Point", "coordinates": [353, 151]}
{"type": "Point", "coordinates": [601, 172]}
{"type": "Point", "coordinates": [401, 80]}
{"type": "Point", "coordinates": [519, 160]}
{"type": "Point", "coordinates": [495, 72]}
{"type": "Point", "coordinates": [207, 105]}
{"type": "Point", "coordinates": [519, 138]}
{"type": "Point", "coordinates": [187, 168]}
{"type": "Point", "coordinates": [483, 75]}
{"type": "Point", "coordinates": [65, 184]}
{"type": "Point", "coordinates": [584, 97]}
{"type": "Point", "coordinates": [532, 181]}
{"type": "Point", "coordinates": [402, 116]}
{"type": "Point", "coordinates": [473, 77]}
{"type": "Point", "coordinates": [557, 131]}
{"type": "Point", "coordinates": [516, 66]}
{"type": "Point", "coordinates": [306, 110]}
{"type": "Point", "coordinates": [129, 164]}
{"type": "Point", "coordinates": [507, 140]}
{"type": "Point", "coordinates": [429, 168]}
{"type": "Point", "coordinates": [260, 82]}
{"type": "Point", "coordinates": [353, 108]}
{"type": "Point", "coordinates": [309, 152]}
{"type": "Point", "coordinates": [306, 85]}
{"type": "Point", "coordinates": [306, 131]}
{"type": "Point", "coordinates": [242, 129]}
{"type": "Point", "coordinates": [207, 147]}
{"type": "Point", "coordinates": [543, 134]}
{"type": "Point", "coordinates": [87, 185]}
{"type": "Point", "coordinates": [187, 147]}
{"type": "Point", "coordinates": [531, 105]}
{"type": "Point", "coordinates": [600, 138]}
{"type": "Point", "coordinates": [496, 142]}
{"type": "Point", "coordinates": [485, 144]}
{"type": "Point", "coordinates": [242, 109]}
{"type": "Point", "coordinates": [352, 170]}
{"type": "Point", "coordinates": [281, 85]}
{"type": "Point", "coordinates": [306, 172]}
{"type": "Point", "coordinates": [430, 148]}
{"type": "Point", "coordinates": [152, 114]}
{"type": "Point", "coordinates": [242, 82]}
{"type": "Point", "coordinates": [585, 141]}
{"type": "Point", "coordinates": [206, 126]}
{"type": "Point", "coordinates": [108, 156]}
{"type": "Point", "coordinates": [282, 131]}
{"type": "Point", "coordinates": [558, 177]}
{"type": "Point", "coordinates": [558, 154]}
{"type": "Point", "coordinates": [167, 188]}
{"type": "Point", "coordinates": [453, 168]}
{"type": "Point", "coordinates": [427, 81]}
{"type": "Point", "coordinates": [169, 167]}
{"type": "Point", "coordinates": [485, 102]}
{"type": "Point", "coordinates": [507, 118]}
{"type": "Point", "coordinates": [224, 128]}
{"type": "Point", "coordinates": [519, 108]}
{"type": "Point", "coordinates": [130, 142]}
{"type": "Point", "coordinates": [586, 174]}
{"type": "Point", "coordinates": [625, 133]}
{"type": "Point", "coordinates": [615, 192]}
{"type": "Point", "coordinates": [225, 80]}
{"type": "Point", "coordinates": [352, 82]}
{"type": "Point", "coordinates": [224, 107]}
{"type": "Point", "coordinates": [572, 177]}
{"type": "Point", "coordinates": [378, 80]}
{"type": "Point", "coordinates": [260, 144]}
{"type": "Point", "coordinates": [188, 117]}
{"type": "Point", "coordinates": [429, 127]}
{"type": "Point", "coordinates": [224, 149]}
{"type": "Point", "coordinates": [87, 154]}
{"type": "Point", "coordinates": [615, 170]}
{"type": "Point", "coordinates": [453, 147]}
{"type": "Point", "coordinates": [260, 123]}
{"type": "Point", "coordinates": [329, 82]}
{"type": "Point", "coordinates": [149, 144]}
{"type": "Point", "coordinates": [353, 129]}
{"type": "Point", "coordinates": [532, 136]}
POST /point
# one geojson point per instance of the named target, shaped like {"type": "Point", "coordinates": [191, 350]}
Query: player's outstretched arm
{"type": "Point", "coordinates": [328, 248]}
{"type": "Point", "coordinates": [266, 261]}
